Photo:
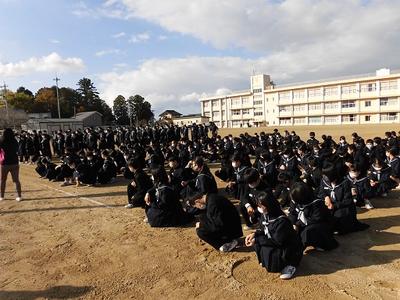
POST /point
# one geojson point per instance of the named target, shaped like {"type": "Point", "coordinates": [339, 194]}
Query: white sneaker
{"type": "Point", "coordinates": [228, 247]}
{"type": "Point", "coordinates": [129, 205]}
{"type": "Point", "coordinates": [18, 199]}
{"type": "Point", "coordinates": [319, 249]}
{"type": "Point", "coordinates": [287, 272]}
{"type": "Point", "coordinates": [146, 220]}
{"type": "Point", "coordinates": [368, 204]}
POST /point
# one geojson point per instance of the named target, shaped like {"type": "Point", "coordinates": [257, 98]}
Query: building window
{"type": "Point", "coordinates": [205, 104]}
{"type": "Point", "coordinates": [368, 87]}
{"type": "Point", "coordinates": [236, 112]}
{"type": "Point", "coordinates": [245, 100]}
{"type": "Point", "coordinates": [284, 96]}
{"type": "Point", "coordinates": [299, 120]}
{"type": "Point", "coordinates": [314, 120]}
{"type": "Point", "coordinates": [389, 117]}
{"type": "Point", "coordinates": [257, 91]}
{"type": "Point", "coordinates": [331, 105]}
{"type": "Point", "coordinates": [215, 103]}
{"type": "Point", "coordinates": [286, 108]}
{"type": "Point", "coordinates": [348, 104]}
{"type": "Point", "coordinates": [299, 107]}
{"type": "Point", "coordinates": [285, 121]}
{"type": "Point", "coordinates": [367, 103]}
{"type": "Point", "coordinates": [331, 120]}
{"type": "Point", "coordinates": [349, 118]}
{"type": "Point", "coordinates": [215, 114]}
{"type": "Point", "coordinates": [207, 114]}
{"type": "Point", "coordinates": [246, 111]}
{"type": "Point", "coordinates": [383, 101]}
{"type": "Point", "coordinates": [331, 91]}
{"type": "Point", "coordinates": [300, 94]}
{"type": "Point", "coordinates": [236, 123]}
{"type": "Point", "coordinates": [314, 106]}
{"type": "Point", "coordinates": [258, 113]}
{"type": "Point", "coordinates": [235, 101]}
{"type": "Point", "coordinates": [367, 118]}
{"type": "Point", "coordinates": [349, 89]}
{"type": "Point", "coordinates": [388, 85]}
{"type": "Point", "coordinates": [314, 93]}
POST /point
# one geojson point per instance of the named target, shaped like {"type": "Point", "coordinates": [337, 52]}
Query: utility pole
{"type": "Point", "coordinates": [5, 101]}
{"type": "Point", "coordinates": [58, 97]}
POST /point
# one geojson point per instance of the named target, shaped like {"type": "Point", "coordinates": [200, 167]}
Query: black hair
{"type": "Point", "coordinates": [160, 176]}
{"type": "Point", "coordinates": [251, 175]}
{"type": "Point", "coordinates": [8, 136]}
{"type": "Point", "coordinates": [301, 193]}
{"type": "Point", "coordinates": [270, 203]}
{"type": "Point", "coordinates": [135, 163]}
{"type": "Point", "coordinates": [199, 161]}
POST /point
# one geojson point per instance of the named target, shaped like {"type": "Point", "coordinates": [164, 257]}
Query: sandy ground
{"type": "Point", "coordinates": [366, 131]}
{"type": "Point", "coordinates": [81, 243]}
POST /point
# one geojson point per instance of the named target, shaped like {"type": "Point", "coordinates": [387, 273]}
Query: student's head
{"type": "Point", "coordinates": [159, 175]}
{"type": "Point", "coordinates": [134, 164]}
{"type": "Point", "coordinates": [330, 172]}
{"type": "Point", "coordinates": [392, 152]}
{"type": "Point", "coordinates": [284, 178]}
{"type": "Point", "coordinates": [312, 134]}
{"type": "Point", "coordinates": [265, 157]}
{"type": "Point", "coordinates": [197, 164]}
{"type": "Point", "coordinates": [342, 139]}
{"type": "Point", "coordinates": [252, 177]}
{"type": "Point", "coordinates": [369, 144]}
{"type": "Point", "coordinates": [378, 163]}
{"type": "Point", "coordinates": [236, 160]}
{"type": "Point", "coordinates": [173, 162]}
{"type": "Point", "coordinates": [8, 136]}
{"type": "Point", "coordinates": [268, 205]}
{"type": "Point", "coordinates": [354, 172]}
{"type": "Point", "coordinates": [104, 154]}
{"type": "Point", "coordinates": [301, 193]}
{"type": "Point", "coordinates": [198, 200]}
{"type": "Point", "coordinates": [302, 149]}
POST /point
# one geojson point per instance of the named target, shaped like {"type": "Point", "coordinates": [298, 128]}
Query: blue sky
{"type": "Point", "coordinates": [173, 52]}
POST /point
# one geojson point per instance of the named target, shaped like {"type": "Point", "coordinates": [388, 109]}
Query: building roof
{"type": "Point", "coordinates": [48, 120]}
{"type": "Point", "coordinates": [192, 116]}
{"type": "Point", "coordinates": [85, 114]}
{"type": "Point", "coordinates": [172, 112]}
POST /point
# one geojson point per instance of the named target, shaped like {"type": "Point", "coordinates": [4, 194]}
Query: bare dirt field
{"type": "Point", "coordinates": [366, 131]}
{"type": "Point", "coordinates": [62, 243]}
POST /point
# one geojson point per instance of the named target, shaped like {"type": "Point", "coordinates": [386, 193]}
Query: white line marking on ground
{"type": "Point", "coordinates": [77, 196]}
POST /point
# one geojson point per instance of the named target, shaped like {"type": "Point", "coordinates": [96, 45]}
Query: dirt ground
{"type": "Point", "coordinates": [367, 131]}
{"type": "Point", "coordinates": [62, 243]}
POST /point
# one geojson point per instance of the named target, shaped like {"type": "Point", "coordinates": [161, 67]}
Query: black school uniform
{"type": "Point", "coordinates": [107, 171]}
{"type": "Point", "coordinates": [315, 224]}
{"type": "Point", "coordinates": [363, 189]}
{"type": "Point", "coordinates": [203, 183]}
{"type": "Point", "coordinates": [136, 193]}
{"type": "Point", "coordinates": [277, 244]}
{"type": "Point", "coordinates": [344, 209]}
{"type": "Point", "coordinates": [220, 223]}
{"type": "Point", "coordinates": [237, 176]}
{"type": "Point", "coordinates": [394, 165]}
{"type": "Point", "coordinates": [249, 198]}
{"type": "Point", "coordinates": [268, 172]}
{"type": "Point", "coordinates": [165, 209]}
{"type": "Point", "coordinates": [382, 178]}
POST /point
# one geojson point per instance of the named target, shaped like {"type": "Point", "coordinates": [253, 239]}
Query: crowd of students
{"type": "Point", "coordinates": [295, 193]}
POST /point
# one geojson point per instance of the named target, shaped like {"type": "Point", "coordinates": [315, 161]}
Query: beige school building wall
{"type": "Point", "coordinates": [367, 99]}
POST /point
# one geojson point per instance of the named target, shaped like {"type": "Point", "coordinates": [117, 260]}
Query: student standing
{"type": "Point", "coordinates": [9, 162]}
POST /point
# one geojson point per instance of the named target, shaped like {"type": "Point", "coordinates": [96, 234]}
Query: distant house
{"type": "Point", "coordinates": [51, 125]}
{"type": "Point", "coordinates": [90, 118]}
{"type": "Point", "coordinates": [44, 115]}
{"type": "Point", "coordinates": [169, 114]}
{"type": "Point", "coordinates": [190, 119]}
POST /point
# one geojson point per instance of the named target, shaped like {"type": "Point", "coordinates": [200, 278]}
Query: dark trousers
{"type": "Point", "coordinates": [214, 239]}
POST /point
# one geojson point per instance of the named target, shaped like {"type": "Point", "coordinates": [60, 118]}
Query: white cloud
{"type": "Point", "coordinates": [54, 41]}
{"type": "Point", "coordinates": [138, 38]}
{"type": "Point", "coordinates": [118, 35]}
{"type": "Point", "coordinates": [292, 40]}
{"type": "Point", "coordinates": [162, 37]}
{"type": "Point", "coordinates": [50, 63]}
{"type": "Point", "coordinates": [108, 52]}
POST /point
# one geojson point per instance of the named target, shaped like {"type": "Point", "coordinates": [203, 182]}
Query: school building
{"type": "Point", "coordinates": [367, 99]}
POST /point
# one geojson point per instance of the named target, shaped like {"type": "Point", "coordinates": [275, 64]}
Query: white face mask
{"type": "Point", "coordinates": [353, 175]}
{"type": "Point", "coordinates": [252, 186]}
{"type": "Point", "coordinates": [260, 210]}
{"type": "Point", "coordinates": [235, 164]}
{"type": "Point", "coordinates": [286, 156]}
{"type": "Point", "coordinates": [271, 150]}
{"type": "Point", "coordinates": [369, 146]}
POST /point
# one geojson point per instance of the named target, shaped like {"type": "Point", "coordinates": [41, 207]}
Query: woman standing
{"type": "Point", "coordinates": [9, 162]}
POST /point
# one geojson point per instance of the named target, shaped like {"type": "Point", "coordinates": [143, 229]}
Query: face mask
{"type": "Point", "coordinates": [253, 186]}
{"type": "Point", "coordinates": [341, 141]}
{"type": "Point", "coordinates": [260, 210]}
{"type": "Point", "coordinates": [234, 165]}
{"type": "Point", "coordinates": [271, 150]}
{"type": "Point", "coordinates": [369, 146]}
{"type": "Point", "coordinates": [353, 175]}
{"type": "Point", "coordinates": [286, 156]}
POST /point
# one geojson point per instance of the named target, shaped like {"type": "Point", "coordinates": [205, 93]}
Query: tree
{"type": "Point", "coordinates": [20, 100]}
{"type": "Point", "coordinates": [22, 89]}
{"type": "Point", "coordinates": [139, 110]}
{"type": "Point", "coordinates": [120, 109]}
{"type": "Point", "coordinates": [46, 101]}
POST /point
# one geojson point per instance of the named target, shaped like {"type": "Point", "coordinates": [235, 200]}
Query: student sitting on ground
{"type": "Point", "coordinates": [336, 192]}
{"type": "Point", "coordinates": [360, 188]}
{"type": "Point", "coordinates": [311, 218]}
{"type": "Point", "coordinates": [379, 178]}
{"type": "Point", "coordinates": [163, 208]}
{"type": "Point", "coordinates": [139, 185]}
{"type": "Point", "coordinates": [276, 243]}
{"type": "Point", "coordinates": [108, 171]}
{"type": "Point", "coordinates": [220, 225]}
